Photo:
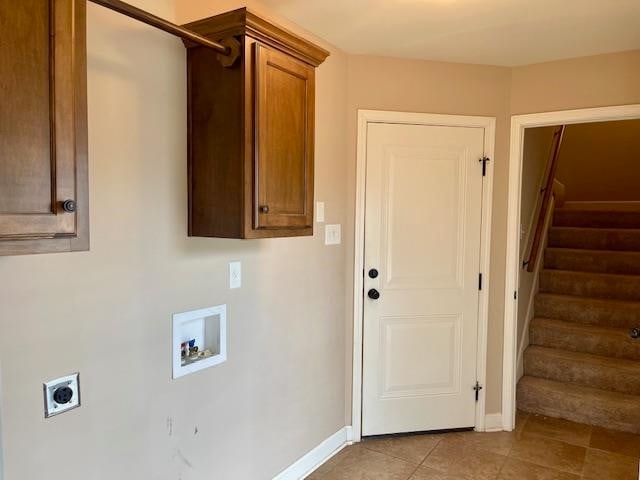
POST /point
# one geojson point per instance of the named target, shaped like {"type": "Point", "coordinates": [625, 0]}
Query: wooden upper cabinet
{"type": "Point", "coordinates": [284, 140]}
{"type": "Point", "coordinates": [43, 147]}
{"type": "Point", "coordinates": [251, 130]}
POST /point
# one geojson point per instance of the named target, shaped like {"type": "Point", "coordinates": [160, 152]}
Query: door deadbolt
{"type": "Point", "coordinates": [373, 294]}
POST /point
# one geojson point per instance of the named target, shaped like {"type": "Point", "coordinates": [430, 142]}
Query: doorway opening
{"type": "Point", "coordinates": [570, 264]}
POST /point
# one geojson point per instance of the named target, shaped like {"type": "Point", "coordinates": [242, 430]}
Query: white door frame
{"type": "Point", "coordinates": [518, 125]}
{"type": "Point", "coordinates": [365, 117]}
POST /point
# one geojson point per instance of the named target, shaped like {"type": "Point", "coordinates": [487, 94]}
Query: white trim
{"type": "Point", "coordinates": [377, 116]}
{"type": "Point", "coordinates": [518, 125]}
{"type": "Point", "coordinates": [316, 457]}
{"type": "Point", "coordinates": [493, 422]}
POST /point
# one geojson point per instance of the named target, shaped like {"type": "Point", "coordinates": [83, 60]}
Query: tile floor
{"type": "Point", "coordinates": [540, 448]}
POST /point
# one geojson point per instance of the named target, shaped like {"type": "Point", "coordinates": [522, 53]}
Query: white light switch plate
{"type": "Point", "coordinates": [320, 212]}
{"type": "Point", "coordinates": [235, 274]}
{"type": "Point", "coordinates": [332, 234]}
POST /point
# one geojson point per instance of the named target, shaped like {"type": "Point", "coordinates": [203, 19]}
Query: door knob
{"type": "Point", "coordinates": [373, 273]}
{"type": "Point", "coordinates": [373, 294]}
{"type": "Point", "coordinates": [69, 206]}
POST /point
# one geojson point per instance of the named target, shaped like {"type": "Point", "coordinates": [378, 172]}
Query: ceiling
{"type": "Point", "coordinates": [491, 32]}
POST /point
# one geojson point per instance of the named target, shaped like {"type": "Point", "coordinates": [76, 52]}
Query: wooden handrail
{"type": "Point", "coordinates": [150, 19]}
{"type": "Point", "coordinates": [547, 192]}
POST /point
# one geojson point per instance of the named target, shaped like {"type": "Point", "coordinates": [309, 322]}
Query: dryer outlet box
{"type": "Point", "coordinates": [61, 395]}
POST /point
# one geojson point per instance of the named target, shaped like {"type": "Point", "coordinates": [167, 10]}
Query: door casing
{"type": "Point", "coordinates": [365, 117]}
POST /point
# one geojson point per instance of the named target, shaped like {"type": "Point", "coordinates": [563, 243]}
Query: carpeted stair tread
{"type": "Point", "coordinates": [575, 337]}
{"type": "Point", "coordinates": [595, 238]}
{"type": "Point", "coordinates": [588, 311]}
{"type": "Point", "coordinates": [615, 374]}
{"type": "Point", "coordinates": [597, 261]}
{"type": "Point", "coordinates": [611, 207]}
{"type": "Point", "coordinates": [594, 285]}
{"type": "Point", "coordinates": [580, 404]}
{"type": "Point", "coordinates": [591, 218]}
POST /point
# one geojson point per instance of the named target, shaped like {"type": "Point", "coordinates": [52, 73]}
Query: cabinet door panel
{"type": "Point", "coordinates": [43, 45]}
{"type": "Point", "coordinates": [284, 140]}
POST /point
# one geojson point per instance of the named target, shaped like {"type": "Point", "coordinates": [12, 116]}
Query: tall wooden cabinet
{"type": "Point", "coordinates": [251, 130]}
{"type": "Point", "coordinates": [43, 132]}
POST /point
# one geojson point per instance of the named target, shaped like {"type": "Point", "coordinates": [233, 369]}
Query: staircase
{"type": "Point", "coordinates": [582, 363]}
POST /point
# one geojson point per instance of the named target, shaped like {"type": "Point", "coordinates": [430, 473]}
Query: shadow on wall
{"type": "Point", "coordinates": [601, 161]}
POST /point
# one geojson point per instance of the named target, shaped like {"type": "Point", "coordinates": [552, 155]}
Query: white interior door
{"type": "Point", "coordinates": [422, 235]}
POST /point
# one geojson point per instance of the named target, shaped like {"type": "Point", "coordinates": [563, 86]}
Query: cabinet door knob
{"type": "Point", "coordinates": [373, 273]}
{"type": "Point", "coordinates": [373, 294]}
{"type": "Point", "coordinates": [264, 208]}
{"type": "Point", "coordinates": [69, 206]}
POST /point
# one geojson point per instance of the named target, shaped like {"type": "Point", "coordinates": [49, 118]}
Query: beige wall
{"type": "Point", "coordinates": [601, 161]}
{"type": "Point", "coordinates": [107, 312]}
{"type": "Point", "coordinates": [595, 81]}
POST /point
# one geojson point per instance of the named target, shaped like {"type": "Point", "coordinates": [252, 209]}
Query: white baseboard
{"type": "Point", "coordinates": [316, 457]}
{"type": "Point", "coordinates": [493, 422]}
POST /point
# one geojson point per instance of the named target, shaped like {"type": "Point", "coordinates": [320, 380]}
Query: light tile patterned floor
{"type": "Point", "coordinates": [540, 448]}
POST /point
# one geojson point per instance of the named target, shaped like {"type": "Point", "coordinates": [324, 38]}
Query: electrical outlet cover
{"type": "Point", "coordinates": [51, 407]}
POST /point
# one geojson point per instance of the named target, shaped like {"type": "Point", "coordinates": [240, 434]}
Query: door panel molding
{"type": "Point", "coordinates": [450, 327]}
{"type": "Point", "coordinates": [365, 118]}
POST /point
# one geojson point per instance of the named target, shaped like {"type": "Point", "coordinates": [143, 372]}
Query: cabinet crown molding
{"type": "Point", "coordinates": [243, 21]}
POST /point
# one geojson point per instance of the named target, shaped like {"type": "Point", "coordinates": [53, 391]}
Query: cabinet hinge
{"type": "Point", "coordinates": [477, 389]}
{"type": "Point", "coordinates": [484, 161]}
{"type": "Point", "coordinates": [515, 295]}
{"type": "Point", "coordinates": [479, 281]}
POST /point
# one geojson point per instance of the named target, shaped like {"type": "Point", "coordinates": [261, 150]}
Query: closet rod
{"type": "Point", "coordinates": [162, 24]}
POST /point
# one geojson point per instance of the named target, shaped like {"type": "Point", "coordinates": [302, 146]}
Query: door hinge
{"type": "Point", "coordinates": [477, 389]}
{"type": "Point", "coordinates": [484, 161]}
{"type": "Point", "coordinates": [479, 281]}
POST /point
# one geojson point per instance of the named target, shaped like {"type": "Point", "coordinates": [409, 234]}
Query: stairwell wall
{"type": "Point", "coordinates": [601, 161]}
{"type": "Point", "coordinates": [537, 145]}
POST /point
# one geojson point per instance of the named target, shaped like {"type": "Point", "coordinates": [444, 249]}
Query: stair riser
{"type": "Point", "coordinates": [588, 312]}
{"type": "Point", "coordinates": [593, 286]}
{"type": "Point", "coordinates": [593, 261]}
{"type": "Point", "coordinates": [592, 375]}
{"type": "Point", "coordinates": [596, 219]}
{"type": "Point", "coordinates": [595, 239]}
{"type": "Point", "coordinates": [618, 346]}
{"type": "Point", "coordinates": [624, 416]}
